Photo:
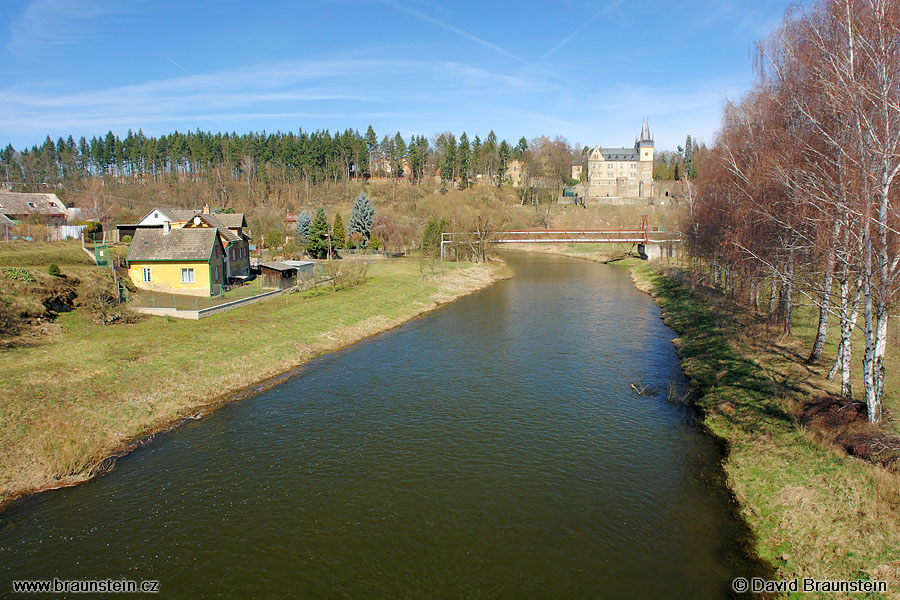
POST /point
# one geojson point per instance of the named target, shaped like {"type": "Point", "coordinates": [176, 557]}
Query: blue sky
{"type": "Point", "coordinates": [586, 70]}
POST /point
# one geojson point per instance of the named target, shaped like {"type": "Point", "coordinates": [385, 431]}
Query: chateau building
{"type": "Point", "coordinates": [621, 172]}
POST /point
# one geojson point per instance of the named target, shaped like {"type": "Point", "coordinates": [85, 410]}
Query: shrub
{"type": "Point", "coordinates": [126, 239]}
{"type": "Point", "coordinates": [92, 229]}
{"type": "Point", "coordinates": [273, 239]}
{"type": "Point", "coordinates": [375, 241]}
{"type": "Point", "coordinates": [347, 274]}
{"type": "Point", "coordinates": [53, 269]}
{"type": "Point", "coordinates": [431, 238]}
{"type": "Point", "coordinates": [100, 298]}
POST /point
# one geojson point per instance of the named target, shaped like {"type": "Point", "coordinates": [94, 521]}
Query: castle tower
{"type": "Point", "coordinates": [645, 144]}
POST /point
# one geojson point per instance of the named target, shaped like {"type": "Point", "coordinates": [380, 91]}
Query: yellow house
{"type": "Point", "coordinates": [177, 260]}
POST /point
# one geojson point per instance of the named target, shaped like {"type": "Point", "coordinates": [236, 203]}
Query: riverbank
{"type": "Point", "coordinates": [816, 512]}
{"type": "Point", "coordinates": [76, 396]}
{"type": "Point", "coordinates": [601, 253]}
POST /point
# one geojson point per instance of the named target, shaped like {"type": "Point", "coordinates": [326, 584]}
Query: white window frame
{"type": "Point", "coordinates": [148, 275]}
{"type": "Point", "coordinates": [187, 275]}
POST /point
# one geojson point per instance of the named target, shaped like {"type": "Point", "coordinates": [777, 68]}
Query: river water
{"type": "Point", "coordinates": [492, 449]}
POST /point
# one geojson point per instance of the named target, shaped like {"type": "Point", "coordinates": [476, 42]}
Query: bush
{"type": "Point", "coordinates": [273, 239]}
{"type": "Point", "coordinates": [375, 241]}
{"type": "Point", "coordinates": [100, 298]}
{"type": "Point", "coordinates": [126, 239]}
{"type": "Point", "coordinates": [92, 228]}
{"type": "Point", "coordinates": [347, 274]}
{"type": "Point", "coordinates": [53, 269]}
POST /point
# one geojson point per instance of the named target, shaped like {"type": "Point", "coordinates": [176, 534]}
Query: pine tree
{"type": "Point", "coordinates": [688, 157]}
{"type": "Point", "coordinates": [361, 217]}
{"type": "Point", "coordinates": [317, 240]}
{"type": "Point", "coordinates": [448, 164]}
{"type": "Point", "coordinates": [302, 225]}
{"type": "Point", "coordinates": [371, 146]}
{"type": "Point", "coordinates": [503, 163]}
{"type": "Point", "coordinates": [463, 153]}
{"type": "Point", "coordinates": [399, 154]}
{"type": "Point", "coordinates": [521, 148]}
{"type": "Point", "coordinates": [338, 233]}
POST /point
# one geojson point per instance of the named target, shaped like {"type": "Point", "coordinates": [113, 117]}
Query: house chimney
{"type": "Point", "coordinates": [206, 209]}
{"type": "Point", "coordinates": [166, 227]}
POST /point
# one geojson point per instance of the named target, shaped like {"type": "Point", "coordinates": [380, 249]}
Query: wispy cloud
{"type": "Point", "coordinates": [574, 33]}
{"type": "Point", "coordinates": [451, 28]}
{"type": "Point", "coordinates": [282, 91]}
{"type": "Point", "coordinates": [53, 23]}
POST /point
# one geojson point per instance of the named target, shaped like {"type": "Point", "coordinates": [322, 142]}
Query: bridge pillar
{"type": "Point", "coordinates": [650, 251]}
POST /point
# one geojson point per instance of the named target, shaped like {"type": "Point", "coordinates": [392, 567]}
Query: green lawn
{"type": "Point", "coordinates": [43, 253]}
{"type": "Point", "coordinates": [74, 397]}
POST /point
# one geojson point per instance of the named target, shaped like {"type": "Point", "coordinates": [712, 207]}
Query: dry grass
{"type": "Point", "coordinates": [78, 396]}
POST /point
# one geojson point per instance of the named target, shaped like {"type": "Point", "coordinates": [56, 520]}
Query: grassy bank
{"type": "Point", "coordinates": [80, 393]}
{"type": "Point", "coordinates": [816, 511]}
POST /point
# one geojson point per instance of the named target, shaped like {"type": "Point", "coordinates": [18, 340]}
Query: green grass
{"type": "Point", "coordinates": [72, 398]}
{"type": "Point", "coordinates": [816, 512]}
{"type": "Point", "coordinates": [43, 253]}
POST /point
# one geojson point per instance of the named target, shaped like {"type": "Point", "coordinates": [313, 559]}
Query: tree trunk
{"type": "Point", "coordinates": [788, 288]}
{"type": "Point", "coordinates": [824, 309]}
{"type": "Point", "coordinates": [873, 406]}
{"type": "Point", "coordinates": [773, 294]}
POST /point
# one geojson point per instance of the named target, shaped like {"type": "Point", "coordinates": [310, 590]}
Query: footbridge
{"type": "Point", "coordinates": [651, 241]}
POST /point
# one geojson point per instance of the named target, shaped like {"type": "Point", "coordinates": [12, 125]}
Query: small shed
{"type": "Point", "coordinates": [304, 267]}
{"type": "Point", "coordinates": [277, 275]}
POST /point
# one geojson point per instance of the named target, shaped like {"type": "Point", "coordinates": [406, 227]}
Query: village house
{"type": "Point", "coordinates": [231, 228]}
{"type": "Point", "coordinates": [515, 172]}
{"type": "Point", "coordinates": [46, 209]}
{"type": "Point", "coordinates": [236, 245]}
{"type": "Point", "coordinates": [182, 260]}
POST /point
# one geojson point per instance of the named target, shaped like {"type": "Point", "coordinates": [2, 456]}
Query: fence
{"type": "Point", "coordinates": [199, 313]}
{"type": "Point", "coordinates": [154, 299]}
{"type": "Point", "coordinates": [68, 232]}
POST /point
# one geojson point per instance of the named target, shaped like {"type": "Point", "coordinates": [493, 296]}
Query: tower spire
{"type": "Point", "coordinates": [645, 131]}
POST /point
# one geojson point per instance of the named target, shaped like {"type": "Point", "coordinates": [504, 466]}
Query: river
{"type": "Point", "coordinates": [493, 448]}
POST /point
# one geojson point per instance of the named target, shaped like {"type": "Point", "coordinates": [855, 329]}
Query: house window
{"type": "Point", "coordinates": [147, 275]}
{"type": "Point", "coordinates": [32, 205]}
{"type": "Point", "coordinates": [217, 272]}
{"type": "Point", "coordinates": [232, 254]}
{"type": "Point", "coordinates": [187, 276]}
{"type": "Point", "coordinates": [156, 215]}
